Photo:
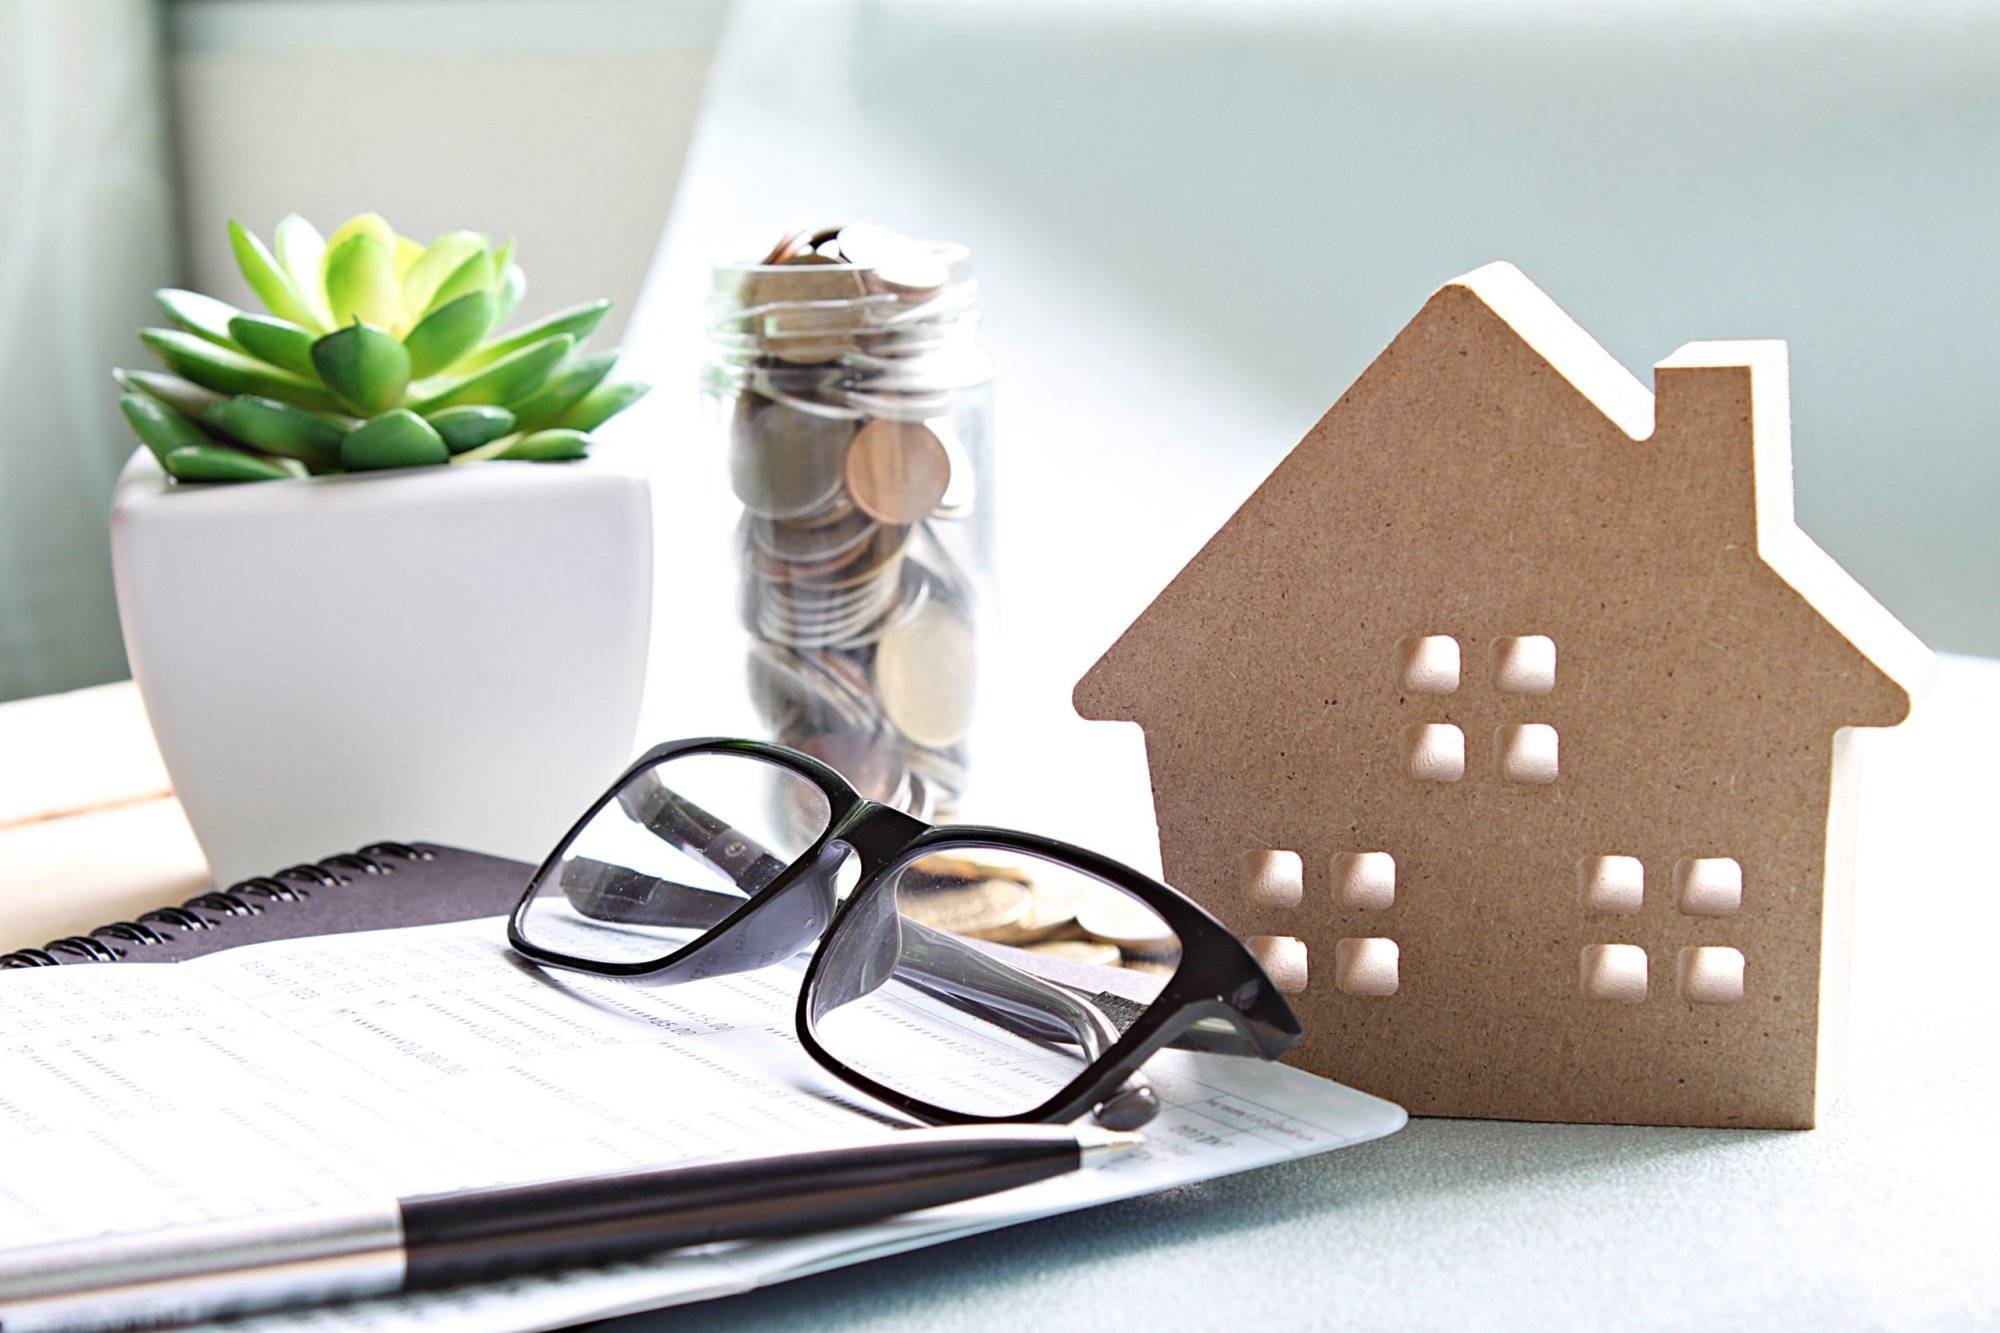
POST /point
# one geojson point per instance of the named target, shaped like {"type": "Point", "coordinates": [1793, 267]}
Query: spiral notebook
{"type": "Point", "coordinates": [384, 1057]}
{"type": "Point", "coordinates": [380, 886]}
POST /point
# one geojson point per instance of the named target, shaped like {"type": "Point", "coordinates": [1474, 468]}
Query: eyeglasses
{"type": "Point", "coordinates": [953, 979]}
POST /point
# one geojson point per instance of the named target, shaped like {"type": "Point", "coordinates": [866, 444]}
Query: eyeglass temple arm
{"type": "Point", "coordinates": [610, 892]}
{"type": "Point", "coordinates": [958, 973]}
{"type": "Point", "coordinates": [724, 847]}
{"type": "Point", "coordinates": [711, 840]}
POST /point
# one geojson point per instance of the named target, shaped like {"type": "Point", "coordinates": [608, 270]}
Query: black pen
{"type": "Point", "coordinates": [211, 1270]}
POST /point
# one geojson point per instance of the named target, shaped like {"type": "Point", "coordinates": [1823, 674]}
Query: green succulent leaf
{"type": "Point", "coordinates": [214, 462]}
{"type": "Point", "coordinates": [578, 321]}
{"type": "Point", "coordinates": [363, 224]}
{"type": "Point", "coordinates": [364, 365]}
{"type": "Point", "coordinates": [563, 390]}
{"type": "Point", "coordinates": [187, 398]}
{"type": "Point", "coordinates": [440, 259]}
{"type": "Point", "coordinates": [279, 341]}
{"type": "Point", "coordinates": [278, 428]}
{"type": "Point", "coordinates": [507, 380]}
{"type": "Point", "coordinates": [266, 278]}
{"type": "Point", "coordinates": [476, 274]}
{"type": "Point", "coordinates": [302, 254]}
{"type": "Point", "coordinates": [468, 427]}
{"type": "Point", "coordinates": [448, 333]}
{"type": "Point", "coordinates": [201, 315]}
{"type": "Point", "coordinates": [159, 427]}
{"type": "Point", "coordinates": [549, 446]}
{"type": "Point", "coordinates": [399, 438]}
{"type": "Point", "coordinates": [513, 286]}
{"type": "Point", "coordinates": [601, 404]}
{"type": "Point", "coordinates": [229, 372]}
{"type": "Point", "coordinates": [361, 282]}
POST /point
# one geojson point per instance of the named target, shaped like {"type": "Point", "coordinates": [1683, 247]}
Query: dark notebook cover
{"type": "Point", "coordinates": [382, 885]}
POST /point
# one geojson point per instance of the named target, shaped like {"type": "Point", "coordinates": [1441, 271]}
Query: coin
{"type": "Point", "coordinates": [897, 471]}
{"type": "Point", "coordinates": [1094, 952]}
{"type": "Point", "coordinates": [923, 675]}
{"type": "Point", "coordinates": [891, 261]}
{"type": "Point", "coordinates": [874, 559]}
{"type": "Point", "coordinates": [804, 308]}
{"type": "Point", "coordinates": [809, 542]}
{"type": "Point", "coordinates": [803, 279]}
{"type": "Point", "coordinates": [967, 866]}
{"type": "Point", "coordinates": [848, 594]}
{"type": "Point", "coordinates": [968, 909]}
{"type": "Point", "coordinates": [783, 461]}
{"type": "Point", "coordinates": [816, 692]}
{"type": "Point", "coordinates": [1051, 911]}
{"type": "Point", "coordinates": [1114, 918]}
{"type": "Point", "coordinates": [867, 760]}
{"type": "Point", "coordinates": [790, 246]}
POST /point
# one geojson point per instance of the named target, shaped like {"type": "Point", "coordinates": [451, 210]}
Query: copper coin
{"type": "Point", "coordinates": [897, 471]}
{"type": "Point", "coordinates": [790, 246]}
{"type": "Point", "coordinates": [783, 461]}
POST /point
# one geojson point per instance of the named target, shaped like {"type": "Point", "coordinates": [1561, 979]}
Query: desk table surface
{"type": "Point", "coordinates": [1886, 1216]}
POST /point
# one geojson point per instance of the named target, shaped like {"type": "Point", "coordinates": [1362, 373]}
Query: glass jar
{"type": "Point", "coordinates": [855, 407]}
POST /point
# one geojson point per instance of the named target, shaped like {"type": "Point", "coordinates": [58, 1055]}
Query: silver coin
{"type": "Point", "coordinates": [1117, 918]}
{"type": "Point", "coordinates": [891, 261]}
{"type": "Point", "coordinates": [820, 392]}
{"type": "Point", "coordinates": [807, 544]}
{"type": "Point", "coordinates": [1094, 952]}
{"type": "Point", "coordinates": [851, 627]}
{"type": "Point", "coordinates": [784, 462]}
{"type": "Point", "coordinates": [923, 675]}
{"type": "Point", "coordinates": [791, 689]}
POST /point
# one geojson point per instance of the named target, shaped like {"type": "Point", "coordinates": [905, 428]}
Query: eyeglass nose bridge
{"type": "Point", "coordinates": [876, 834]}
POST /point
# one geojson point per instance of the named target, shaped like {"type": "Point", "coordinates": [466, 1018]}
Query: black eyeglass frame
{"type": "Point", "coordinates": [1216, 978]}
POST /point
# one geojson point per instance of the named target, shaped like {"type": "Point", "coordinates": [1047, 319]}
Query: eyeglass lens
{"type": "Point", "coordinates": [674, 850]}
{"type": "Point", "coordinates": [912, 993]}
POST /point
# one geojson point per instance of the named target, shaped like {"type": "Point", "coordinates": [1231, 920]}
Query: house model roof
{"type": "Point", "coordinates": [1490, 321]}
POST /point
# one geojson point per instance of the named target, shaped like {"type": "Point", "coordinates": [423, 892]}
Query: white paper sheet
{"type": "Point", "coordinates": [304, 1072]}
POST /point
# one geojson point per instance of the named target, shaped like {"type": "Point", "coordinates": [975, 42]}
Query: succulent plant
{"type": "Point", "coordinates": [377, 352]}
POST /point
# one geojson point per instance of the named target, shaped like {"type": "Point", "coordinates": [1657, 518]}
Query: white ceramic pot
{"type": "Point", "coordinates": [448, 653]}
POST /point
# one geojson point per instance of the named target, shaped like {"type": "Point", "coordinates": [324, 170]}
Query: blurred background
{"type": "Point", "coordinates": [1195, 221]}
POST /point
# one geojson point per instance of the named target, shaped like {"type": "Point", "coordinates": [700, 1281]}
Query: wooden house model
{"type": "Point", "coordinates": [1508, 717]}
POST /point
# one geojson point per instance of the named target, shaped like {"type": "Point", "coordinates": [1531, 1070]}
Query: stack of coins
{"type": "Point", "coordinates": [853, 435]}
{"type": "Point", "coordinates": [1059, 914]}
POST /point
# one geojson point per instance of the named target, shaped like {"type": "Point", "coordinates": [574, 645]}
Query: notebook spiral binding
{"type": "Point", "coordinates": [209, 911]}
